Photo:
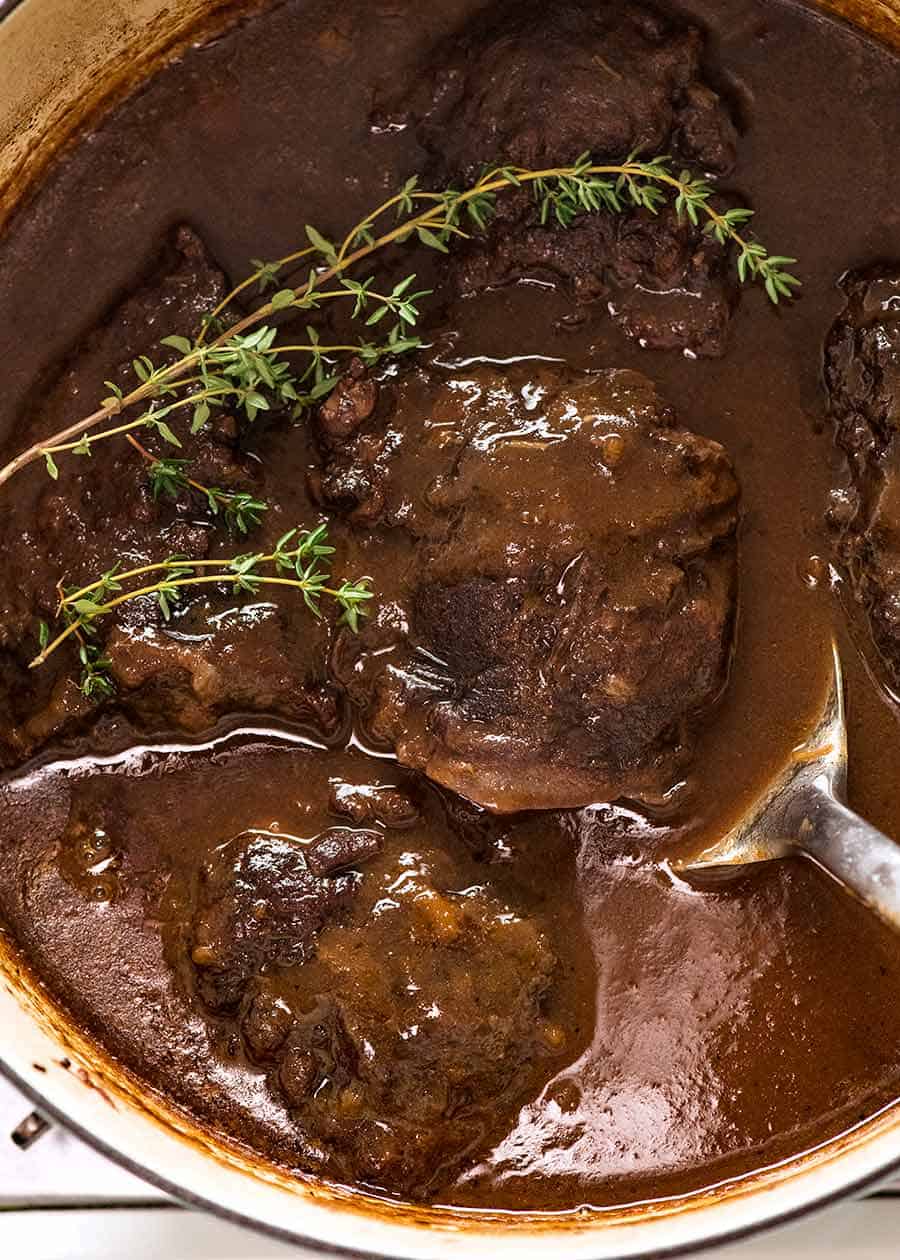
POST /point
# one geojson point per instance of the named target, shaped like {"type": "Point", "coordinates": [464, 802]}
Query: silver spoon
{"type": "Point", "coordinates": [802, 813]}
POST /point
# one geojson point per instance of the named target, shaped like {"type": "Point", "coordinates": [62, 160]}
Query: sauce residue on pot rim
{"type": "Point", "coordinates": [391, 904]}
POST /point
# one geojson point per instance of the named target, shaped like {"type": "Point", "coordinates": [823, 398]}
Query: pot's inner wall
{"type": "Point", "coordinates": [37, 103]}
{"type": "Point", "coordinates": [63, 60]}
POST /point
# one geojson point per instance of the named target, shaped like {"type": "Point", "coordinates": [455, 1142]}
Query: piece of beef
{"type": "Point", "coordinates": [556, 562]}
{"type": "Point", "coordinates": [862, 377]}
{"type": "Point", "coordinates": [538, 85]}
{"type": "Point", "coordinates": [263, 901]}
{"type": "Point", "coordinates": [219, 656]}
{"type": "Point", "coordinates": [101, 509]}
{"type": "Point", "coordinates": [401, 1000]}
{"type": "Point", "coordinates": [668, 286]}
{"type": "Point", "coordinates": [364, 803]}
{"type": "Point", "coordinates": [396, 1045]}
{"type": "Point", "coordinates": [212, 658]}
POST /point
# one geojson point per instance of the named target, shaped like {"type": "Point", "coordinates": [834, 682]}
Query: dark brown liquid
{"type": "Point", "coordinates": [729, 1029]}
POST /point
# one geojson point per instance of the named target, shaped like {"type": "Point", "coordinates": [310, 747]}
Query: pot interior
{"type": "Point", "coordinates": [65, 60]}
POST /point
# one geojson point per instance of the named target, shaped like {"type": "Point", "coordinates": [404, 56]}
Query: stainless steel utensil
{"type": "Point", "coordinates": [802, 813]}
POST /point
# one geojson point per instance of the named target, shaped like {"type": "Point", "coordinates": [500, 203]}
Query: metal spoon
{"type": "Point", "coordinates": [802, 813]}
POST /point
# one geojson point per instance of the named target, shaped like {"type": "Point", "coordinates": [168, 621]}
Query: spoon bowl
{"type": "Point", "coordinates": [802, 813]}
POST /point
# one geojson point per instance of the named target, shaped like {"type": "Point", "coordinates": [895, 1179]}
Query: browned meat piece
{"type": "Point", "coordinates": [413, 1022]}
{"type": "Point", "coordinates": [368, 803]}
{"type": "Point", "coordinates": [212, 658]}
{"type": "Point", "coordinates": [345, 410]}
{"type": "Point", "coordinates": [566, 611]}
{"type": "Point", "coordinates": [349, 484]}
{"type": "Point", "coordinates": [219, 657]}
{"type": "Point", "coordinates": [862, 376]}
{"type": "Point", "coordinates": [263, 901]}
{"type": "Point", "coordinates": [668, 286]}
{"type": "Point", "coordinates": [101, 508]}
{"type": "Point", "coordinates": [339, 847]}
{"type": "Point", "coordinates": [862, 363]}
{"type": "Point", "coordinates": [400, 1000]}
{"type": "Point", "coordinates": [537, 85]}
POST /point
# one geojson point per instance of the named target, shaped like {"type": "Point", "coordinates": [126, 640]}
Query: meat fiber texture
{"type": "Point", "coordinates": [862, 376]}
{"type": "Point", "coordinates": [536, 87]}
{"type": "Point", "coordinates": [560, 615]}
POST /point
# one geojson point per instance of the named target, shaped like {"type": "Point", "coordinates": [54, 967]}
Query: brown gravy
{"type": "Point", "coordinates": [689, 1038]}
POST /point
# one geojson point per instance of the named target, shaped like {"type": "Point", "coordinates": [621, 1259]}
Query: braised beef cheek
{"type": "Point", "coordinates": [568, 609]}
{"type": "Point", "coordinates": [168, 677]}
{"type": "Point", "coordinates": [529, 83]}
{"type": "Point", "coordinates": [862, 373]}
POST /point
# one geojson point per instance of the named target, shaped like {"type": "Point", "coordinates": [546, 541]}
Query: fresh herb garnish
{"type": "Point", "coordinates": [244, 367]}
{"type": "Point", "coordinates": [247, 371]}
{"type": "Point", "coordinates": [299, 561]}
{"type": "Point", "coordinates": [239, 510]}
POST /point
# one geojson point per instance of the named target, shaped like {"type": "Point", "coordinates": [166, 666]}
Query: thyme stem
{"type": "Point", "coordinates": [224, 576]}
{"type": "Point", "coordinates": [300, 553]}
{"type": "Point", "coordinates": [562, 191]}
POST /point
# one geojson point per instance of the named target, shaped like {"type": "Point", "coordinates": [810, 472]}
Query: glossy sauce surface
{"type": "Point", "coordinates": [690, 1037]}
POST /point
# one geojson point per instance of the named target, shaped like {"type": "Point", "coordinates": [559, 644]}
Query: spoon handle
{"type": "Point", "coordinates": [854, 852]}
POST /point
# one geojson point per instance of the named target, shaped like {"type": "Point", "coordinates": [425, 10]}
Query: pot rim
{"type": "Point", "coordinates": [207, 1178]}
{"type": "Point", "coordinates": [309, 1215]}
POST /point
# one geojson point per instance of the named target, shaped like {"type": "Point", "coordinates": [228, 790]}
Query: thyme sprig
{"type": "Point", "coordinates": [96, 682]}
{"type": "Point", "coordinates": [242, 365]}
{"type": "Point", "coordinates": [239, 510]}
{"type": "Point", "coordinates": [244, 368]}
{"type": "Point", "coordinates": [299, 560]}
{"type": "Point", "coordinates": [588, 188]}
{"type": "Point", "coordinates": [246, 374]}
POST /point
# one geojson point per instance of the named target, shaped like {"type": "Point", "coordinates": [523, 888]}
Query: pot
{"type": "Point", "coordinates": [62, 60]}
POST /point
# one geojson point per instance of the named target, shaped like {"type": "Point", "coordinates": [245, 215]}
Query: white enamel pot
{"type": "Point", "coordinates": [59, 61]}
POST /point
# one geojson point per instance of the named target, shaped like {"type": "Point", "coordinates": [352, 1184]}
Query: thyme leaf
{"type": "Point", "coordinates": [300, 561]}
{"type": "Point", "coordinates": [245, 368]}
